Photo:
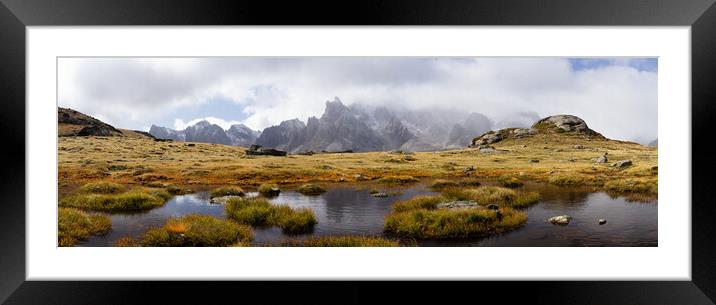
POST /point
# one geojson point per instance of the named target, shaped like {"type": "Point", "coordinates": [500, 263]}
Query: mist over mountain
{"type": "Point", "coordinates": [205, 132]}
{"type": "Point", "coordinates": [357, 127]}
{"type": "Point", "coordinates": [369, 128]}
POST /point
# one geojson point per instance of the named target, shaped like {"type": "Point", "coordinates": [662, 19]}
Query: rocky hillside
{"type": "Point", "coordinates": [72, 123]}
{"type": "Point", "coordinates": [556, 124]}
{"type": "Point", "coordinates": [205, 132]}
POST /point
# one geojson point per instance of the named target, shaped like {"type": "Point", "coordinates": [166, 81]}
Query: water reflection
{"type": "Point", "coordinates": [346, 210]}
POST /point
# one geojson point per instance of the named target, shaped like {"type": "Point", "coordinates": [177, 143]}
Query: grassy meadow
{"type": "Point", "coordinates": [565, 160]}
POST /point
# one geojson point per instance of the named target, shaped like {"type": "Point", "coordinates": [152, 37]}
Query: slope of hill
{"type": "Point", "coordinates": [72, 123]}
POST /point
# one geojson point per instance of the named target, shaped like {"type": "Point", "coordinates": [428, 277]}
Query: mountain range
{"type": "Point", "coordinates": [356, 127]}
{"type": "Point", "coordinates": [203, 131]}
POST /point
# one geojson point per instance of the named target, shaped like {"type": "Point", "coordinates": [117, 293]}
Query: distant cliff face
{"type": "Point", "coordinates": [362, 128]}
{"type": "Point", "coordinates": [205, 132]}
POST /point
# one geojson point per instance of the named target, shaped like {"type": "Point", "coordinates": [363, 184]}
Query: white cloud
{"type": "Point", "coordinates": [617, 100]}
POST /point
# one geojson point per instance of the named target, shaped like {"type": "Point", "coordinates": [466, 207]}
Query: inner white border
{"type": "Point", "coordinates": [670, 260]}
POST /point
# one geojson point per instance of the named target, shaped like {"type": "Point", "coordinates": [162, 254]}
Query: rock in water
{"type": "Point", "coordinates": [561, 220]}
{"type": "Point", "coordinates": [222, 199]}
{"type": "Point", "coordinates": [602, 221]}
{"type": "Point", "coordinates": [380, 195]}
{"type": "Point", "coordinates": [623, 163]}
{"type": "Point", "coordinates": [257, 150]}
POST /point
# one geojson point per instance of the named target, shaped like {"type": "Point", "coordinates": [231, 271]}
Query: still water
{"type": "Point", "coordinates": [345, 210]}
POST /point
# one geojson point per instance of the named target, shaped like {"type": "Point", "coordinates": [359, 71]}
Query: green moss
{"type": "Point", "coordinates": [311, 189]}
{"type": "Point", "coordinates": [227, 191]}
{"type": "Point", "coordinates": [74, 225]}
{"type": "Point", "coordinates": [196, 230]}
{"type": "Point", "coordinates": [101, 187]}
{"type": "Point", "coordinates": [343, 241]}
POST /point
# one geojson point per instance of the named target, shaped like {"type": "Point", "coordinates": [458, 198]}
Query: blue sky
{"type": "Point", "coordinates": [259, 92]}
{"type": "Point", "coordinates": [641, 64]}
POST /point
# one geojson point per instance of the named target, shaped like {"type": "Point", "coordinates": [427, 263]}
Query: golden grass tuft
{"type": "Point", "coordinates": [127, 242]}
{"type": "Point", "coordinates": [101, 187]}
{"type": "Point", "coordinates": [269, 190]}
{"type": "Point", "coordinates": [510, 181]}
{"type": "Point", "coordinates": [440, 184]}
{"type": "Point", "coordinates": [398, 180]}
{"type": "Point", "coordinates": [74, 225]}
{"type": "Point", "coordinates": [227, 191]}
{"type": "Point", "coordinates": [196, 230]}
{"type": "Point", "coordinates": [129, 201]}
{"type": "Point", "coordinates": [260, 212]}
{"type": "Point", "coordinates": [311, 189]}
{"type": "Point", "coordinates": [343, 241]}
{"type": "Point", "coordinates": [633, 185]}
{"type": "Point", "coordinates": [453, 223]}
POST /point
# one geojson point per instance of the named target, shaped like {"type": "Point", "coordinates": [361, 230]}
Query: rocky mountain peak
{"type": "Point", "coordinates": [334, 109]}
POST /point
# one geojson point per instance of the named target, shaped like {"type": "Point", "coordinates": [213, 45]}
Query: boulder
{"type": "Point", "coordinates": [496, 136]}
{"type": "Point", "coordinates": [458, 204]}
{"type": "Point", "coordinates": [561, 220]}
{"type": "Point", "coordinates": [565, 123]}
{"type": "Point", "coordinates": [488, 138]}
{"type": "Point", "coordinates": [622, 163]}
{"type": "Point", "coordinates": [222, 199]}
{"type": "Point", "coordinates": [258, 150]}
{"type": "Point", "coordinates": [601, 159]}
{"type": "Point", "coordinates": [602, 221]}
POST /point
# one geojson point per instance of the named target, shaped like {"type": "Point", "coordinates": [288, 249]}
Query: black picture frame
{"type": "Point", "coordinates": [16, 15]}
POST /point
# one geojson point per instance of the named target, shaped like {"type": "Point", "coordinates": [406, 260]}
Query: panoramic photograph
{"type": "Point", "coordinates": [357, 152]}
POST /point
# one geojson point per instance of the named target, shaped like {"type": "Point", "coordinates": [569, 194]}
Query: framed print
{"type": "Point", "coordinates": [513, 142]}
